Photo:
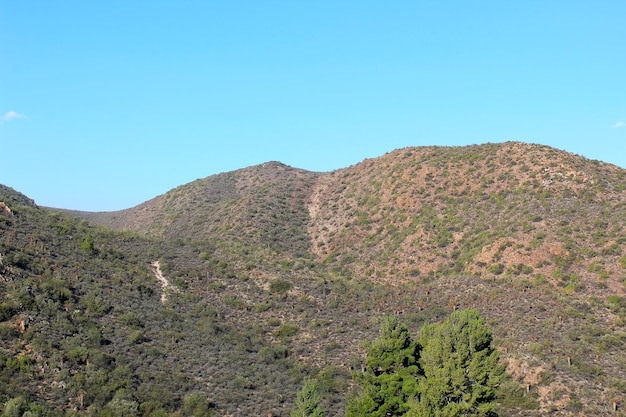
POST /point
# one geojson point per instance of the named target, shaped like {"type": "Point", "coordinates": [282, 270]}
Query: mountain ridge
{"type": "Point", "coordinates": [282, 274]}
{"type": "Point", "coordinates": [444, 201]}
{"type": "Point", "coordinates": [435, 193]}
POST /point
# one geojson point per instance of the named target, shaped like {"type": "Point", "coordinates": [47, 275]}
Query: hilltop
{"type": "Point", "coordinates": [502, 210]}
{"type": "Point", "coordinates": [274, 273]}
{"type": "Point", "coordinates": [492, 210]}
{"type": "Point", "coordinates": [259, 205]}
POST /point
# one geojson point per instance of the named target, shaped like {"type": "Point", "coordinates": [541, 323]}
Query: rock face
{"type": "Point", "coordinates": [5, 208]}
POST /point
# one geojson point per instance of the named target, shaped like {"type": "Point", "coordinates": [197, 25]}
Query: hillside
{"type": "Point", "coordinates": [504, 210]}
{"type": "Point", "coordinates": [494, 210]}
{"type": "Point", "coordinates": [87, 325]}
{"type": "Point", "coordinates": [261, 205]}
{"type": "Point", "coordinates": [279, 273]}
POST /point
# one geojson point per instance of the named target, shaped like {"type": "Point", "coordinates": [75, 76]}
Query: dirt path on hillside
{"type": "Point", "coordinates": [165, 284]}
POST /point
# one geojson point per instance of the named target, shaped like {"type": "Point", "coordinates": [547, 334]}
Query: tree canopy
{"type": "Point", "coordinates": [451, 370]}
{"type": "Point", "coordinates": [460, 368]}
{"type": "Point", "coordinates": [308, 401]}
{"type": "Point", "coordinates": [391, 372]}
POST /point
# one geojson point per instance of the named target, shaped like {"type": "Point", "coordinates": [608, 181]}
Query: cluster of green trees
{"type": "Point", "coordinates": [450, 370]}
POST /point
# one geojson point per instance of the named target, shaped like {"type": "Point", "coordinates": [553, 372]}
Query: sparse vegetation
{"type": "Point", "coordinates": [284, 273]}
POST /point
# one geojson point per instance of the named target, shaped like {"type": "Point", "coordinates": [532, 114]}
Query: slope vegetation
{"type": "Point", "coordinates": [264, 205]}
{"type": "Point", "coordinates": [502, 210]}
{"type": "Point", "coordinates": [282, 274]}
{"type": "Point", "coordinates": [84, 326]}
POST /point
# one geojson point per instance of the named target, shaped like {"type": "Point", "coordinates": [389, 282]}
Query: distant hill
{"type": "Point", "coordinates": [494, 210]}
{"type": "Point", "coordinates": [277, 274]}
{"type": "Point", "coordinates": [503, 210]}
{"type": "Point", "coordinates": [261, 205]}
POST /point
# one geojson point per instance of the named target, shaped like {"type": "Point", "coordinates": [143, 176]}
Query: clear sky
{"type": "Point", "coordinates": [106, 104]}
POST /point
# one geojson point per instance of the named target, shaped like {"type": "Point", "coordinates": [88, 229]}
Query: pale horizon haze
{"type": "Point", "coordinates": [104, 105]}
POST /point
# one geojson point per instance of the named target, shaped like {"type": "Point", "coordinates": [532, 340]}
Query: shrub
{"type": "Point", "coordinates": [280, 286]}
{"type": "Point", "coordinates": [286, 330]}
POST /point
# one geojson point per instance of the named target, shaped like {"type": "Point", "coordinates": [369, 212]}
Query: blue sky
{"type": "Point", "coordinates": [104, 105]}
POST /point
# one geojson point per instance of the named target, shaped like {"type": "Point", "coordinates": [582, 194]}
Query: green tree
{"type": "Point", "coordinates": [89, 246]}
{"type": "Point", "coordinates": [461, 370]}
{"type": "Point", "coordinates": [391, 374]}
{"type": "Point", "coordinates": [122, 406]}
{"type": "Point", "coordinates": [196, 405]}
{"type": "Point", "coordinates": [308, 401]}
{"type": "Point", "coordinates": [15, 407]}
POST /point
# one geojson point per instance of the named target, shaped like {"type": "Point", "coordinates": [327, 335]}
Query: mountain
{"type": "Point", "coordinates": [274, 273]}
{"type": "Point", "coordinates": [101, 323]}
{"type": "Point", "coordinates": [509, 209]}
{"type": "Point", "coordinates": [261, 205]}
